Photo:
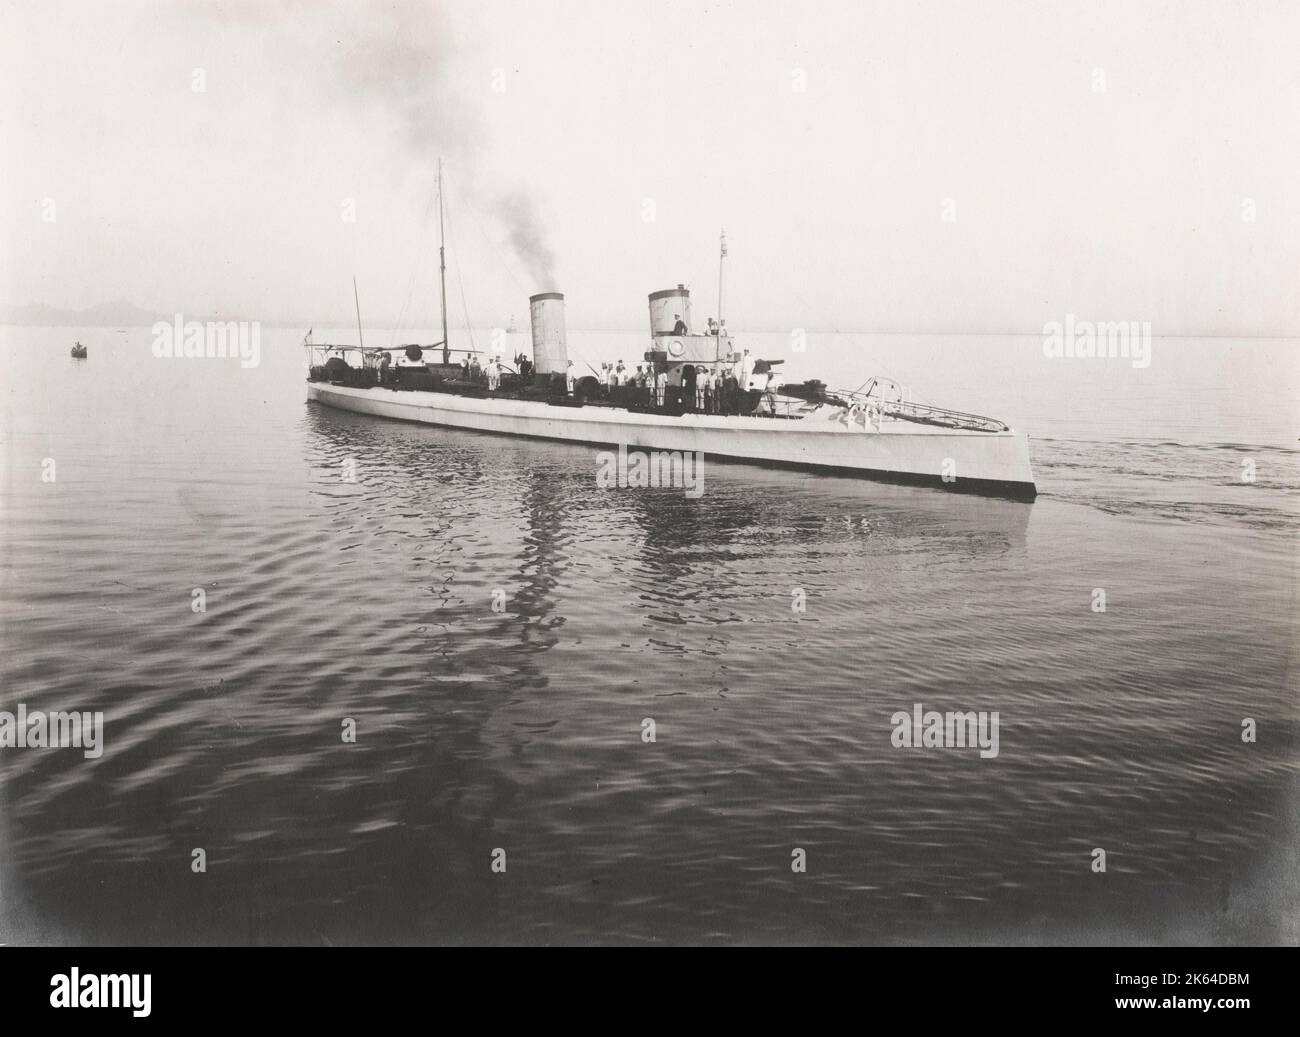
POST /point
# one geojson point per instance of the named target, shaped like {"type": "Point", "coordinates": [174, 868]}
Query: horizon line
{"type": "Point", "coordinates": [283, 325]}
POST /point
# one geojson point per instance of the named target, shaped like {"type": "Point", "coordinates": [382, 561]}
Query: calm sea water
{"type": "Point", "coordinates": [520, 728]}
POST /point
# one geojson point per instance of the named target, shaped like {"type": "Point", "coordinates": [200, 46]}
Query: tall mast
{"type": "Point", "coordinates": [722, 254]}
{"type": "Point", "coordinates": [442, 265]}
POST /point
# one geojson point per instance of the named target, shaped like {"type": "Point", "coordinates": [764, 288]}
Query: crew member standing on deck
{"type": "Point", "coordinates": [688, 387]}
{"type": "Point", "coordinates": [569, 379]}
{"type": "Point", "coordinates": [680, 327]}
{"type": "Point", "coordinates": [734, 384]}
{"type": "Point", "coordinates": [746, 370]}
{"type": "Point", "coordinates": [661, 388]}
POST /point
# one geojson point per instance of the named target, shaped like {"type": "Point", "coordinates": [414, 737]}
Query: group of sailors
{"type": "Point", "coordinates": [705, 388]}
{"type": "Point", "coordinates": [618, 376]}
{"type": "Point", "coordinates": [490, 370]}
{"type": "Point", "coordinates": [714, 328]}
{"type": "Point", "coordinates": [474, 370]}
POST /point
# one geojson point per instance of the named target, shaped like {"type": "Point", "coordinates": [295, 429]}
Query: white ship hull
{"type": "Point", "coordinates": [994, 463]}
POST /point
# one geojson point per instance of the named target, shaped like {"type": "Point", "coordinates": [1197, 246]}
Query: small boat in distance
{"type": "Point", "coordinates": [78, 352]}
{"type": "Point", "coordinates": [696, 391]}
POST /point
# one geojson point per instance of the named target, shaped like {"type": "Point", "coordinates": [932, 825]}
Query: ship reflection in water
{"type": "Point", "coordinates": [499, 630]}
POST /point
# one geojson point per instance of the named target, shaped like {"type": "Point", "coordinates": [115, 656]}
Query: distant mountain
{"type": "Point", "coordinates": [116, 314]}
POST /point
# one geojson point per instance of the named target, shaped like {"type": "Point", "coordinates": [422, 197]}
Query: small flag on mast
{"type": "Point", "coordinates": [724, 243]}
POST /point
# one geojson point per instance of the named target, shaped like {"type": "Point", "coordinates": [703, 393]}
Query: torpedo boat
{"type": "Point", "coordinates": [702, 392]}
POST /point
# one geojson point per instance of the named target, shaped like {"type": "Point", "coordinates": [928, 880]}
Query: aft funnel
{"type": "Point", "coordinates": [550, 352]}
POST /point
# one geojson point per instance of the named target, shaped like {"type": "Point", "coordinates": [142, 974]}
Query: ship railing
{"type": "Point", "coordinates": [895, 401]}
{"type": "Point", "coordinates": [778, 406]}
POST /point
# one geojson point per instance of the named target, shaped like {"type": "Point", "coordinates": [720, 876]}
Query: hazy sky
{"type": "Point", "coordinates": [1101, 159]}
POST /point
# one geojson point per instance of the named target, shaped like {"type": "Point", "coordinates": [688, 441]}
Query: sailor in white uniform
{"type": "Point", "coordinates": [746, 369]}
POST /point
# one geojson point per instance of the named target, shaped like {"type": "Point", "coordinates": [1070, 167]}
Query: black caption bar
{"type": "Point", "coordinates": [143, 987]}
